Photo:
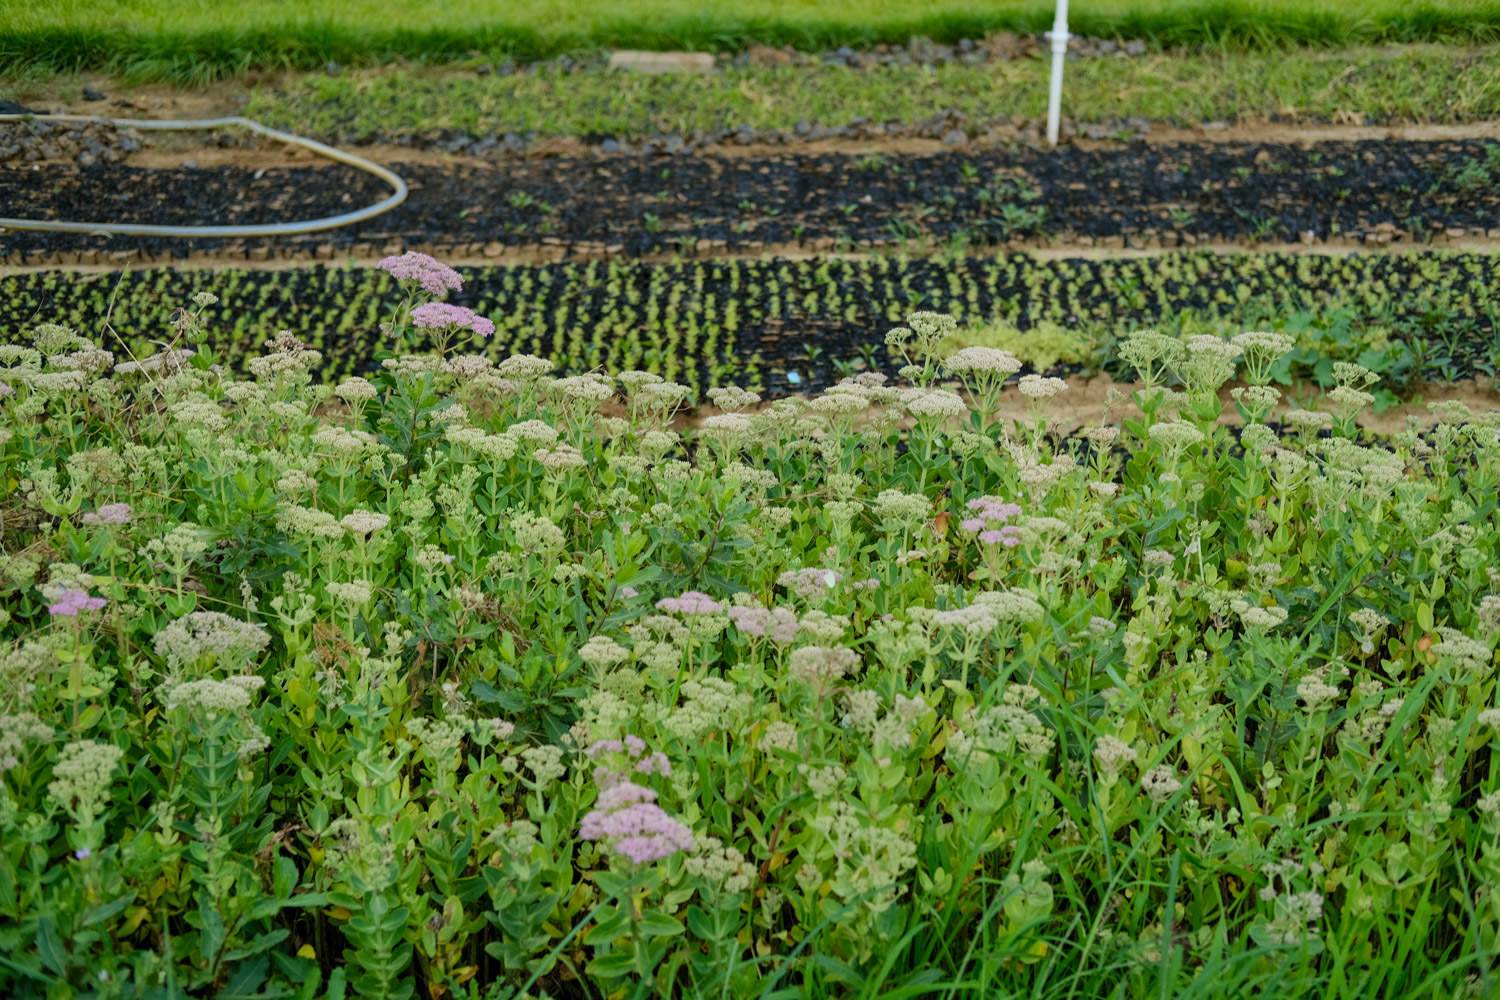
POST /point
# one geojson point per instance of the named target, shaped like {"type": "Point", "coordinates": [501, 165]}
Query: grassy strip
{"type": "Point", "coordinates": [204, 39]}
{"type": "Point", "coordinates": [784, 324]}
{"type": "Point", "coordinates": [1415, 84]}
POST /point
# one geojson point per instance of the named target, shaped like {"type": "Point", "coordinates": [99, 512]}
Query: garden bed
{"type": "Point", "coordinates": [793, 325]}
{"type": "Point", "coordinates": [1369, 193]}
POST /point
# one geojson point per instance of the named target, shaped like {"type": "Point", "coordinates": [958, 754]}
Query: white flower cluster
{"type": "Point", "coordinates": [230, 643]}
{"type": "Point", "coordinates": [213, 697]}
{"type": "Point", "coordinates": [821, 667]}
{"type": "Point", "coordinates": [723, 868]}
{"type": "Point", "coordinates": [731, 398]}
{"type": "Point", "coordinates": [982, 362]}
{"type": "Point", "coordinates": [709, 704]}
{"type": "Point", "coordinates": [81, 778]}
{"type": "Point", "coordinates": [1112, 755]}
{"type": "Point", "coordinates": [934, 404]}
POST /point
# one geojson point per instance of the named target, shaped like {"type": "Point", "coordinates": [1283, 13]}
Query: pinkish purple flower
{"type": "Point", "coordinates": [989, 522]}
{"type": "Point", "coordinates": [72, 603]}
{"type": "Point", "coordinates": [1009, 536]}
{"type": "Point", "coordinates": [436, 278]}
{"type": "Point", "coordinates": [628, 592]}
{"type": "Point", "coordinates": [994, 509]}
{"type": "Point", "coordinates": [110, 513]}
{"type": "Point", "coordinates": [779, 624]}
{"type": "Point", "coordinates": [599, 748]}
{"type": "Point", "coordinates": [654, 763]}
{"type": "Point", "coordinates": [441, 315]}
{"type": "Point", "coordinates": [627, 818]}
{"type": "Point", "coordinates": [690, 602]}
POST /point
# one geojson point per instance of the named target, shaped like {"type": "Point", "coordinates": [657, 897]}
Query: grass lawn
{"type": "Point", "coordinates": [200, 39]}
{"type": "Point", "coordinates": [1425, 83]}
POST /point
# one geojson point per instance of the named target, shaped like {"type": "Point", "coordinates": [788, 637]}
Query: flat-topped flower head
{"type": "Point", "coordinates": [110, 513]}
{"type": "Point", "coordinates": [987, 521]}
{"type": "Point", "coordinates": [524, 367]}
{"type": "Point", "coordinates": [72, 603]}
{"type": "Point", "coordinates": [982, 361]}
{"type": "Point", "coordinates": [444, 316]}
{"type": "Point", "coordinates": [690, 603]}
{"type": "Point", "coordinates": [777, 624]}
{"type": "Point", "coordinates": [433, 276]}
{"type": "Point", "coordinates": [1041, 387]}
{"type": "Point", "coordinates": [934, 403]}
{"type": "Point", "coordinates": [627, 818]}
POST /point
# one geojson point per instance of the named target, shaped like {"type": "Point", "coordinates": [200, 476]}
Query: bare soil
{"type": "Point", "coordinates": [1094, 201]}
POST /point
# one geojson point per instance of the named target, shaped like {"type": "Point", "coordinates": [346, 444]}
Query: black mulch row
{"type": "Point", "coordinates": [785, 324]}
{"type": "Point", "coordinates": [635, 205]}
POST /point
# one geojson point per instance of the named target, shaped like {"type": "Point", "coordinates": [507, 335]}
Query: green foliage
{"type": "Point", "coordinates": [1416, 84]}
{"type": "Point", "coordinates": [201, 39]}
{"type": "Point", "coordinates": [1477, 175]}
{"type": "Point", "coordinates": [470, 680]}
{"type": "Point", "coordinates": [1411, 317]}
{"type": "Point", "coordinates": [1044, 346]}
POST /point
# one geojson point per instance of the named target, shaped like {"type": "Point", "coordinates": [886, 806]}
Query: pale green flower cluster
{"type": "Point", "coordinates": [82, 777]}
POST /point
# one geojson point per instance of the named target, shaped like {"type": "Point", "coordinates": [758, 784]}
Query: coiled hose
{"type": "Point", "coordinates": [398, 195]}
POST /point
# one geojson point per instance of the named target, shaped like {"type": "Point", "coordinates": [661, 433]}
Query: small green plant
{"type": "Point", "coordinates": [1476, 175]}
{"type": "Point", "coordinates": [1042, 346]}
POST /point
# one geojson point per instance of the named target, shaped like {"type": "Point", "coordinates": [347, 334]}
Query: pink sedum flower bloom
{"type": "Point", "coordinates": [654, 763]}
{"type": "Point", "coordinates": [1009, 536]}
{"type": "Point", "coordinates": [435, 277]}
{"type": "Point", "coordinates": [110, 513]}
{"type": "Point", "coordinates": [989, 521]}
{"type": "Point", "coordinates": [627, 818]}
{"type": "Point", "coordinates": [72, 603]}
{"type": "Point", "coordinates": [994, 509]}
{"type": "Point", "coordinates": [779, 624]}
{"type": "Point", "coordinates": [690, 602]}
{"type": "Point", "coordinates": [441, 315]}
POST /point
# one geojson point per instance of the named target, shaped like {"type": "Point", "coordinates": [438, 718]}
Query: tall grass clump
{"type": "Point", "coordinates": [469, 679]}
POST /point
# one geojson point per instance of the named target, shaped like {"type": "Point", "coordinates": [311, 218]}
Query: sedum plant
{"type": "Point", "coordinates": [464, 678]}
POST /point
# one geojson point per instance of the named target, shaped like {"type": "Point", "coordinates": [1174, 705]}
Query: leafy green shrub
{"type": "Point", "coordinates": [469, 680]}
{"type": "Point", "coordinates": [1044, 346]}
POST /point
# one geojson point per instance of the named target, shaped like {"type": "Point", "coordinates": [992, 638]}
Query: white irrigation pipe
{"type": "Point", "coordinates": [1059, 36]}
{"type": "Point", "coordinates": [398, 186]}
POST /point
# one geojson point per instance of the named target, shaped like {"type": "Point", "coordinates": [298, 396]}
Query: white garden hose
{"type": "Point", "coordinates": [200, 124]}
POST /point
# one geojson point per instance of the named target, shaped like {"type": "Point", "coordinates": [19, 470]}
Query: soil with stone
{"type": "Point", "coordinates": [1136, 195]}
